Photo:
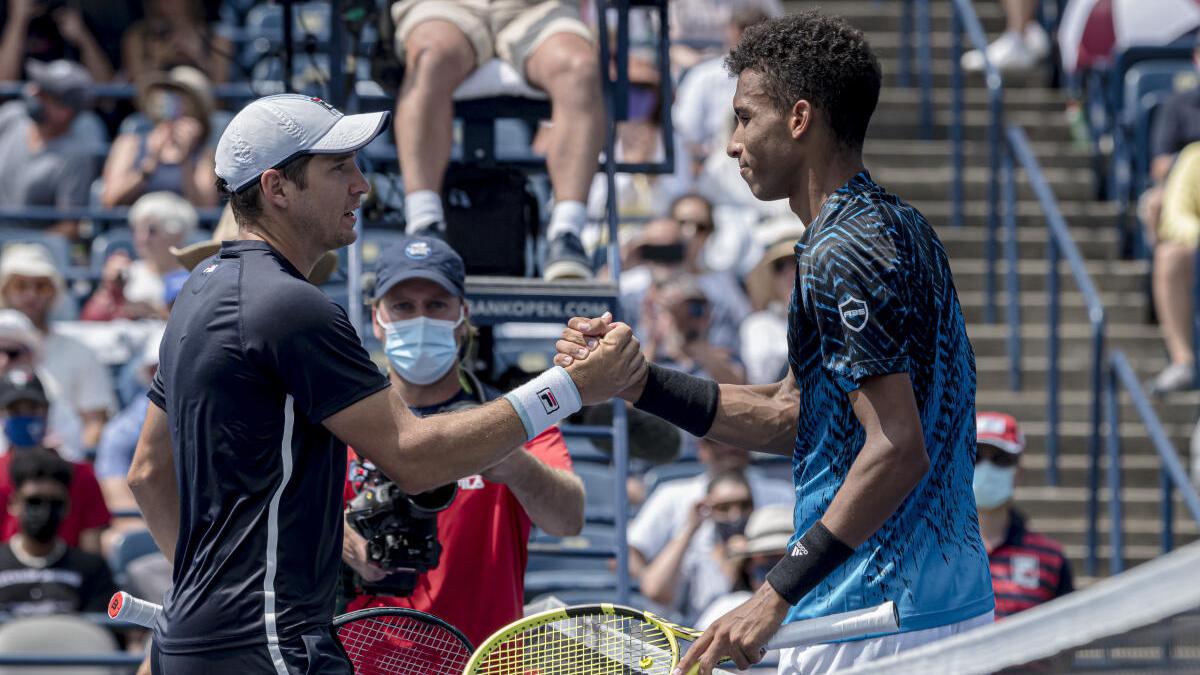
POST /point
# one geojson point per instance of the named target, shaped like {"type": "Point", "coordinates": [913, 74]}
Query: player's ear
{"type": "Point", "coordinates": [800, 118]}
{"type": "Point", "coordinates": [273, 189]}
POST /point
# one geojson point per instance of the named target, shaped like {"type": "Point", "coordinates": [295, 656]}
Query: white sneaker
{"type": "Point", "coordinates": [1175, 377]}
{"type": "Point", "coordinates": [1037, 40]}
{"type": "Point", "coordinates": [1007, 53]}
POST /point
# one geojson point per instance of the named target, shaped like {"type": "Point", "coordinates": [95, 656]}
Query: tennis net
{"type": "Point", "coordinates": [1146, 620]}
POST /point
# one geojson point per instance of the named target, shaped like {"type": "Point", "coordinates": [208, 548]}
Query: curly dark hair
{"type": "Point", "coordinates": [819, 58]}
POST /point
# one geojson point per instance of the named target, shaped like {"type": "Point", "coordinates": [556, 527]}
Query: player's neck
{"type": "Point", "coordinates": [282, 240]}
{"type": "Point", "coordinates": [425, 395]}
{"type": "Point", "coordinates": [821, 179]}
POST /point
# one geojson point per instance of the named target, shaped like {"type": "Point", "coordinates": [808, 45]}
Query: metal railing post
{"type": "Point", "coordinates": [1196, 319]}
{"type": "Point", "coordinates": [924, 45]}
{"type": "Point", "coordinates": [956, 118]}
{"type": "Point", "coordinates": [904, 76]}
{"type": "Point", "coordinates": [1167, 511]}
{"type": "Point", "coordinates": [1094, 441]}
{"type": "Point", "coordinates": [1116, 537]}
{"type": "Point", "coordinates": [1052, 259]}
{"type": "Point", "coordinates": [1012, 258]}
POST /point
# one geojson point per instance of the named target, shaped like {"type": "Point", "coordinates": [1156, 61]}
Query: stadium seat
{"type": "Point", "coordinates": [589, 596]}
{"type": "Point", "coordinates": [129, 547]}
{"type": "Point", "coordinates": [55, 636]}
{"type": "Point", "coordinates": [598, 482]}
{"type": "Point", "coordinates": [593, 549]}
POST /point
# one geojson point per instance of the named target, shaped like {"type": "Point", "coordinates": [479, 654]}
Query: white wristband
{"type": "Point", "coordinates": [545, 400]}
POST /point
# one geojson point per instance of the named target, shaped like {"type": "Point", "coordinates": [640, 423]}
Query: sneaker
{"type": "Point", "coordinates": [1175, 377]}
{"type": "Point", "coordinates": [1008, 54]}
{"type": "Point", "coordinates": [566, 259]}
{"type": "Point", "coordinates": [1037, 40]}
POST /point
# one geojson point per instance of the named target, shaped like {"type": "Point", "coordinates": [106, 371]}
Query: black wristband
{"type": "Point", "coordinates": [687, 401]}
{"type": "Point", "coordinates": [807, 562]}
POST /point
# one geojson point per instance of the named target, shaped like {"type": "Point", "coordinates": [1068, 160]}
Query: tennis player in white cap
{"type": "Point", "coordinates": [261, 384]}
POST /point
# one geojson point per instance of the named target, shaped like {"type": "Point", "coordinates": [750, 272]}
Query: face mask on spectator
{"type": "Point", "coordinates": [422, 350]}
{"type": "Point", "coordinates": [41, 517]}
{"type": "Point", "coordinates": [727, 529]}
{"type": "Point", "coordinates": [35, 109]}
{"type": "Point", "coordinates": [25, 431]}
{"type": "Point", "coordinates": [993, 485]}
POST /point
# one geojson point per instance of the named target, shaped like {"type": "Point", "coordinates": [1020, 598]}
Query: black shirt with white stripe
{"type": "Point", "coordinates": [253, 359]}
{"type": "Point", "coordinates": [70, 581]}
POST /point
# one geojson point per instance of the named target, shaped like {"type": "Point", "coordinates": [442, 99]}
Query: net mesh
{"type": "Point", "coordinates": [591, 644]}
{"type": "Point", "coordinates": [402, 645]}
{"type": "Point", "coordinates": [1144, 621]}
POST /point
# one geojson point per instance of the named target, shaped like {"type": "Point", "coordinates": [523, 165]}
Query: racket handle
{"type": "Point", "coordinates": [125, 607]}
{"type": "Point", "coordinates": [871, 621]}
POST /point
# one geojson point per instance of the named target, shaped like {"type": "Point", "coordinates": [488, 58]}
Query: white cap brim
{"type": "Point", "coordinates": [352, 132]}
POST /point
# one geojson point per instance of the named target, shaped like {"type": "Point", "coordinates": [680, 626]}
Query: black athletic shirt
{"type": "Point", "coordinates": [253, 359]}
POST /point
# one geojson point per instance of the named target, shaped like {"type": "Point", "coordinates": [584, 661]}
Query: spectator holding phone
{"type": "Point", "coordinates": [168, 149]}
{"type": "Point", "coordinates": [676, 317]}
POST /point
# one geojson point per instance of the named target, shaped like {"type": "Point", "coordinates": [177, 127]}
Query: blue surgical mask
{"type": "Point", "coordinates": [993, 485]}
{"type": "Point", "coordinates": [25, 431]}
{"type": "Point", "coordinates": [421, 350]}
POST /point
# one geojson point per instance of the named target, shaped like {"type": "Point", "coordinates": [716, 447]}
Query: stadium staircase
{"type": "Point", "coordinates": [919, 171]}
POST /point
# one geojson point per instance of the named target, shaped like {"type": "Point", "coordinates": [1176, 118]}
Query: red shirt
{"type": "Point", "coordinates": [479, 583]}
{"type": "Point", "coordinates": [86, 510]}
{"type": "Point", "coordinates": [1027, 570]}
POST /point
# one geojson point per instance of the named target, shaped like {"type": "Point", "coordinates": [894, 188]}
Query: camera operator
{"type": "Point", "coordinates": [478, 585]}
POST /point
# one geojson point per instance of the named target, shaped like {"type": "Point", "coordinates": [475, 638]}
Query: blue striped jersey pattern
{"type": "Point", "coordinates": [874, 296]}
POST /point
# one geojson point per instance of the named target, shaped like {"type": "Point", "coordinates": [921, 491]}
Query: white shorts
{"type": "Point", "coordinates": [844, 655]}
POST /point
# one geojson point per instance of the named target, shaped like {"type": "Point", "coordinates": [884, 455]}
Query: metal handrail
{"type": "Point", "coordinates": [1172, 475]}
{"type": "Point", "coordinates": [965, 17]}
{"type": "Point", "coordinates": [1060, 245]}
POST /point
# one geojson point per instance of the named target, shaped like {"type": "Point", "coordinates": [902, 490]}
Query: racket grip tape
{"type": "Point", "coordinates": [125, 607]}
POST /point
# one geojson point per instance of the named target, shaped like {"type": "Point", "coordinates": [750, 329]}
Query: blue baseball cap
{"type": "Point", "coordinates": [420, 258]}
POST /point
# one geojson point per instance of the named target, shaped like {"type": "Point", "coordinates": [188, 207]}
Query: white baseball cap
{"type": "Point", "coordinates": [274, 130]}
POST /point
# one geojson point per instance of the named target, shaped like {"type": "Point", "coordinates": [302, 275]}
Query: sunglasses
{"type": "Point", "coordinates": [14, 353]}
{"type": "Point", "coordinates": [1000, 458]}
{"type": "Point", "coordinates": [37, 502]}
{"type": "Point", "coordinates": [698, 225]}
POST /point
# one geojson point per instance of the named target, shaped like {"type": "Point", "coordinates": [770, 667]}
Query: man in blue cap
{"type": "Point", "coordinates": [421, 317]}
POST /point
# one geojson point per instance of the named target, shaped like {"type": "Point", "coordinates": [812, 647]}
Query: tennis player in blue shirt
{"type": "Point", "coordinates": [878, 409]}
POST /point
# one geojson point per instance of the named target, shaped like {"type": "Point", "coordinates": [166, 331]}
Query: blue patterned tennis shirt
{"type": "Point", "coordinates": [874, 296]}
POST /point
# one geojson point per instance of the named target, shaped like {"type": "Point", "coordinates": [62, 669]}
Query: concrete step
{"type": "Point", "coordinates": [1135, 339]}
{"type": "Point", "coordinates": [1091, 214]}
{"type": "Point", "coordinates": [1179, 409]}
{"type": "Point", "coordinates": [1074, 438]}
{"type": "Point", "coordinates": [970, 242]}
{"type": "Point", "coordinates": [1074, 371]}
{"type": "Point", "coordinates": [875, 18]}
{"type": "Point", "coordinates": [1137, 470]}
{"type": "Point", "coordinates": [1106, 275]}
{"type": "Point", "coordinates": [1071, 531]}
{"type": "Point", "coordinates": [1130, 306]}
{"type": "Point", "coordinates": [934, 182]}
{"type": "Point", "coordinates": [921, 154]}
{"type": "Point", "coordinates": [903, 122]}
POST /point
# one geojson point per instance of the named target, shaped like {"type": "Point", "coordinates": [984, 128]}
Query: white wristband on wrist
{"type": "Point", "coordinates": [545, 400]}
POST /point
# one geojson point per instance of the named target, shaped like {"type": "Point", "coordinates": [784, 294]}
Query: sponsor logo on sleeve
{"type": "Point", "coordinates": [854, 313]}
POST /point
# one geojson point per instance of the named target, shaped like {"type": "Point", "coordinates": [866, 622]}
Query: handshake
{"type": "Point", "coordinates": [603, 358]}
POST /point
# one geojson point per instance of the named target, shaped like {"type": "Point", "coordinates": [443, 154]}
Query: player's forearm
{"type": "Point", "coordinates": [152, 481]}
{"type": "Point", "coordinates": [444, 448]}
{"type": "Point", "coordinates": [552, 498]}
{"type": "Point", "coordinates": [758, 417]}
{"type": "Point", "coordinates": [881, 477]}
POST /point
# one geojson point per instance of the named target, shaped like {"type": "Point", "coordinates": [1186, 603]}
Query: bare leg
{"type": "Point", "coordinates": [1172, 284]}
{"type": "Point", "coordinates": [1019, 13]}
{"type": "Point", "coordinates": [566, 67]}
{"type": "Point", "coordinates": [438, 57]}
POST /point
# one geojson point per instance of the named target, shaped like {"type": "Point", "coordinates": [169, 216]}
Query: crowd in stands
{"type": "Point", "coordinates": [706, 281]}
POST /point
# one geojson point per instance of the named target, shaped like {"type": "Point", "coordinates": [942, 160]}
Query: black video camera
{"type": "Point", "coordinates": [400, 529]}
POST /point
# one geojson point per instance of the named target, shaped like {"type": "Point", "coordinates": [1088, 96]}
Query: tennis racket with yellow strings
{"type": "Point", "coordinates": [614, 640]}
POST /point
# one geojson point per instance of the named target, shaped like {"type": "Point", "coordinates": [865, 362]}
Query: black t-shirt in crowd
{"type": "Point", "coordinates": [77, 582]}
{"type": "Point", "coordinates": [1177, 124]}
{"type": "Point", "coordinates": [253, 359]}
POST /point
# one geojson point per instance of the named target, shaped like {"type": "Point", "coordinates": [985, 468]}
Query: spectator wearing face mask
{"type": "Point", "coordinates": [1028, 568]}
{"type": "Point", "coordinates": [40, 572]}
{"type": "Point", "coordinates": [21, 351]}
{"type": "Point", "coordinates": [753, 555]}
{"type": "Point", "coordinates": [694, 568]}
{"type": "Point", "coordinates": [23, 410]}
{"type": "Point", "coordinates": [420, 315]}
